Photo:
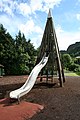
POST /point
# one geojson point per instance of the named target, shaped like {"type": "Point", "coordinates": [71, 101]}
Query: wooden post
{"type": "Point", "coordinates": [47, 75]}
{"type": "Point", "coordinates": [59, 71]}
{"type": "Point", "coordinates": [63, 75]}
{"type": "Point", "coordinates": [41, 75]}
{"type": "Point", "coordinates": [52, 76]}
{"type": "Point", "coordinates": [58, 60]}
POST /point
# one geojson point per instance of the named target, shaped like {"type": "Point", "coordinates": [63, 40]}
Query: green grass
{"type": "Point", "coordinates": [78, 73]}
{"type": "Point", "coordinates": [71, 73]}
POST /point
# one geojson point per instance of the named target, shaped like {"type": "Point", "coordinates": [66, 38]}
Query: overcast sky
{"type": "Point", "coordinates": [30, 17]}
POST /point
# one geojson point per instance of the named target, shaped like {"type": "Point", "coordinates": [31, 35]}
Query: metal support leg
{"type": "Point", "coordinates": [18, 100]}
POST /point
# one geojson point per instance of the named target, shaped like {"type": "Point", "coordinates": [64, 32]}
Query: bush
{"type": "Point", "coordinates": [24, 69]}
{"type": "Point", "coordinates": [74, 67]}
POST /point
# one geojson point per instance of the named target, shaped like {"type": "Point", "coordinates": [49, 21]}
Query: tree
{"type": "Point", "coordinates": [25, 54]}
{"type": "Point", "coordinates": [20, 42]}
{"type": "Point", "coordinates": [17, 55]}
{"type": "Point", "coordinates": [22, 55]}
{"type": "Point", "coordinates": [6, 49]}
{"type": "Point", "coordinates": [66, 60]}
{"type": "Point", "coordinates": [74, 67]}
{"type": "Point", "coordinates": [74, 49]}
{"type": "Point", "coordinates": [77, 60]}
{"type": "Point", "coordinates": [32, 53]}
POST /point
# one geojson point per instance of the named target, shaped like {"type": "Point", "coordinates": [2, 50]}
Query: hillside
{"type": "Point", "coordinates": [74, 49]}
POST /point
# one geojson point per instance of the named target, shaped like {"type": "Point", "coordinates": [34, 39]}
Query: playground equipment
{"type": "Point", "coordinates": [49, 44]}
{"type": "Point", "coordinates": [48, 59]}
{"type": "Point", "coordinates": [30, 81]}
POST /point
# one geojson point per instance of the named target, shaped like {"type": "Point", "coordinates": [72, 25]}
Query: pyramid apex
{"type": "Point", "coordinates": [49, 14]}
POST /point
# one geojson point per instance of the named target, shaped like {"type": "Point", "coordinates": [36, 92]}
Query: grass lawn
{"type": "Point", "coordinates": [69, 73]}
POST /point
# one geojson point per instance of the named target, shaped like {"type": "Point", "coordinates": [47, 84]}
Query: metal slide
{"type": "Point", "coordinates": [16, 94]}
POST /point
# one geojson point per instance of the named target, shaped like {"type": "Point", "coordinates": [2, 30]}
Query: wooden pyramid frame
{"type": "Point", "coordinates": [49, 45]}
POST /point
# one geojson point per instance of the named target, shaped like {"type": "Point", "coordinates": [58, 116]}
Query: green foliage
{"type": "Point", "coordinates": [32, 53]}
{"type": "Point", "coordinates": [77, 60]}
{"type": "Point", "coordinates": [78, 73]}
{"type": "Point", "coordinates": [74, 49]}
{"type": "Point", "coordinates": [70, 58]}
{"type": "Point", "coordinates": [69, 63]}
{"type": "Point", "coordinates": [66, 60]}
{"type": "Point", "coordinates": [6, 49]}
{"type": "Point", "coordinates": [74, 67]}
{"type": "Point", "coordinates": [17, 55]}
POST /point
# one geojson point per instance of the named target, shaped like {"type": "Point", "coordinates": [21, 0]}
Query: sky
{"type": "Point", "coordinates": [30, 16]}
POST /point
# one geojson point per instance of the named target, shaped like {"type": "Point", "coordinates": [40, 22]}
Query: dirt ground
{"type": "Point", "coordinates": [59, 103]}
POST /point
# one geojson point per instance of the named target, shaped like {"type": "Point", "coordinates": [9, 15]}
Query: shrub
{"type": "Point", "coordinates": [74, 67]}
